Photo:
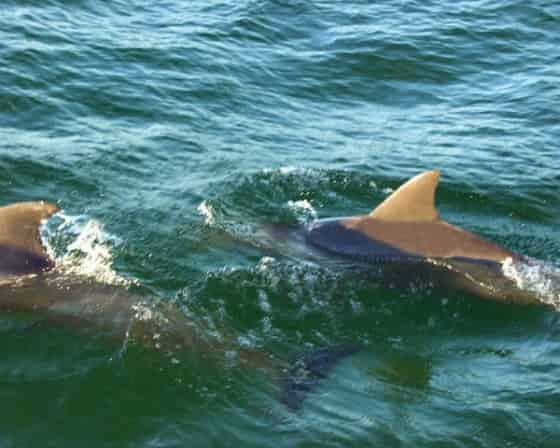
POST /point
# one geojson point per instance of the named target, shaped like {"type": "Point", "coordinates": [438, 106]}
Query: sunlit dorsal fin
{"type": "Point", "coordinates": [413, 201]}
{"type": "Point", "coordinates": [19, 225]}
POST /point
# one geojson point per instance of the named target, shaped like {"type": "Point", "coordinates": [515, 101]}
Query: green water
{"type": "Point", "coordinates": [170, 132]}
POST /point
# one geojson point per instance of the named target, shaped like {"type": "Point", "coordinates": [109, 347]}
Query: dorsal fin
{"type": "Point", "coordinates": [413, 201]}
{"type": "Point", "coordinates": [19, 225]}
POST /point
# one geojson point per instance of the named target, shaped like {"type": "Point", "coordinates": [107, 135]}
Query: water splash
{"type": "Point", "coordinates": [207, 211]}
{"type": "Point", "coordinates": [81, 247]}
{"type": "Point", "coordinates": [538, 277]}
{"type": "Point", "coordinates": [289, 169]}
{"type": "Point", "coordinates": [303, 209]}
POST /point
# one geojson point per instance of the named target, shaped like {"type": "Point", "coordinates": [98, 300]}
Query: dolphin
{"type": "Point", "coordinates": [407, 238]}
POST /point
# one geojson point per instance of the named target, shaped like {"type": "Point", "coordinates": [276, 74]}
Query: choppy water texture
{"type": "Point", "coordinates": [170, 131]}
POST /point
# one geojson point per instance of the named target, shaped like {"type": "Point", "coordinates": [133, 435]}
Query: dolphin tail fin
{"type": "Point", "coordinates": [19, 226]}
{"type": "Point", "coordinates": [412, 201]}
{"type": "Point", "coordinates": [306, 370]}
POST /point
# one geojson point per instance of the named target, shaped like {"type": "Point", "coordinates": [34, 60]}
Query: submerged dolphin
{"type": "Point", "coordinates": [406, 236]}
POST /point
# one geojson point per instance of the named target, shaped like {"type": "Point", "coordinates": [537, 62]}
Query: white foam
{"type": "Point", "coordinates": [207, 211]}
{"type": "Point", "coordinates": [81, 247]}
{"type": "Point", "coordinates": [538, 277]}
{"type": "Point", "coordinates": [264, 304]}
{"type": "Point", "coordinates": [304, 210]}
{"type": "Point", "coordinates": [142, 312]}
{"type": "Point", "coordinates": [265, 263]}
{"type": "Point", "coordinates": [288, 169]}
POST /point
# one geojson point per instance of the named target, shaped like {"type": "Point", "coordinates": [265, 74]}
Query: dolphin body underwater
{"type": "Point", "coordinates": [407, 240]}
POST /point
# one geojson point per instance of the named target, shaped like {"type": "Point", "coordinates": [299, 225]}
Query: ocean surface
{"type": "Point", "coordinates": [171, 133]}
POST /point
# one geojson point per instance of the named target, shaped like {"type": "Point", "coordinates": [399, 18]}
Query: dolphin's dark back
{"type": "Point", "coordinates": [369, 239]}
{"type": "Point", "coordinates": [332, 236]}
{"type": "Point", "coordinates": [14, 261]}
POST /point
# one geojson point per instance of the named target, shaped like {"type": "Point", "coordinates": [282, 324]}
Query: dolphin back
{"type": "Point", "coordinates": [21, 250]}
